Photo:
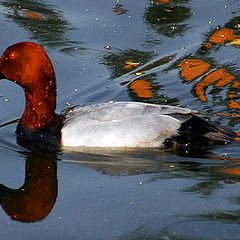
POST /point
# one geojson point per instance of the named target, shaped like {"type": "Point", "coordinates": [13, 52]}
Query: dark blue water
{"type": "Point", "coordinates": [188, 194]}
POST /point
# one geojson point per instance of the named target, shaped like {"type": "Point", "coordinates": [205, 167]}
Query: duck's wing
{"type": "Point", "coordinates": [122, 124]}
{"type": "Point", "coordinates": [121, 110]}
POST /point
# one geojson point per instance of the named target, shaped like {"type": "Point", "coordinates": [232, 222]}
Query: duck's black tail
{"type": "Point", "coordinates": [196, 129]}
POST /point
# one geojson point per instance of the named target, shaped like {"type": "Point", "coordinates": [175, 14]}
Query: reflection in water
{"type": "Point", "coordinates": [207, 181]}
{"type": "Point", "coordinates": [36, 198]}
{"type": "Point", "coordinates": [219, 75]}
{"type": "Point", "coordinates": [118, 9]}
{"type": "Point", "coordinates": [223, 35]}
{"type": "Point", "coordinates": [193, 68]}
{"type": "Point", "coordinates": [163, 1]}
{"type": "Point", "coordinates": [46, 24]}
{"type": "Point", "coordinates": [138, 70]}
{"type": "Point", "coordinates": [117, 62]}
{"type": "Point", "coordinates": [142, 88]}
{"type": "Point", "coordinates": [168, 19]}
{"type": "Point", "coordinates": [224, 92]}
{"type": "Point", "coordinates": [123, 163]}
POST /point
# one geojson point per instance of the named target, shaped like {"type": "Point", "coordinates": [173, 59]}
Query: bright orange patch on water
{"type": "Point", "coordinates": [193, 68]}
{"type": "Point", "coordinates": [235, 42]}
{"type": "Point", "coordinates": [223, 35]}
{"type": "Point", "coordinates": [32, 15]}
{"type": "Point", "coordinates": [219, 75]}
{"type": "Point", "coordinates": [229, 115]}
{"type": "Point", "coordinates": [236, 84]}
{"type": "Point", "coordinates": [130, 64]}
{"type": "Point", "coordinates": [223, 114]}
{"type": "Point", "coordinates": [234, 104]}
{"type": "Point", "coordinates": [163, 1]}
{"type": "Point", "coordinates": [142, 88]}
{"type": "Point", "coordinates": [233, 171]}
{"type": "Point", "coordinates": [208, 45]}
{"type": "Point", "coordinates": [232, 94]}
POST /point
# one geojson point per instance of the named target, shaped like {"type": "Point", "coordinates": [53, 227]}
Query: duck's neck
{"type": "Point", "coordinates": [40, 105]}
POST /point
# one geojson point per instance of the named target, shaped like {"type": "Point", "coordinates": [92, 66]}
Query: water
{"type": "Point", "coordinates": [98, 52]}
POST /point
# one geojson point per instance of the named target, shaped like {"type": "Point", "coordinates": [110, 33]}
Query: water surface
{"type": "Point", "coordinates": [103, 52]}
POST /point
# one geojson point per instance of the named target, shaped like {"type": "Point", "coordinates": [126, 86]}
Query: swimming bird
{"type": "Point", "coordinates": [105, 125]}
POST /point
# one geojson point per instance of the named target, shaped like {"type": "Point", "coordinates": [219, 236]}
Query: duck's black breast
{"type": "Point", "coordinates": [47, 137]}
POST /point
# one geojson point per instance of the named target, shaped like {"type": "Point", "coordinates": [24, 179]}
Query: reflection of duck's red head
{"type": "Point", "coordinates": [36, 198]}
{"type": "Point", "coordinates": [28, 65]}
{"type": "Point", "coordinates": [30, 205]}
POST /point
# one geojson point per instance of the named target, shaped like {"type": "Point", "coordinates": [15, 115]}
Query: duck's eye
{"type": "Point", "coordinates": [12, 55]}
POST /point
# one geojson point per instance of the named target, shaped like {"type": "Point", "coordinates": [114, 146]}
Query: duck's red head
{"type": "Point", "coordinates": [28, 65]}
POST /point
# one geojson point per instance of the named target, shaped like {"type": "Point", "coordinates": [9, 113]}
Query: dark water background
{"type": "Point", "coordinates": [190, 194]}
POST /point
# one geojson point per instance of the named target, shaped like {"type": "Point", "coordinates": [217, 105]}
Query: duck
{"type": "Point", "coordinates": [105, 125]}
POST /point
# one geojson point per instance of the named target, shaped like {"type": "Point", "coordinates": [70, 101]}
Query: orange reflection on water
{"type": "Point", "coordinates": [223, 114]}
{"type": "Point", "coordinates": [232, 94]}
{"type": "Point", "coordinates": [32, 15]}
{"type": "Point", "coordinates": [219, 75]}
{"type": "Point", "coordinates": [238, 135]}
{"type": "Point", "coordinates": [229, 115]}
{"type": "Point", "coordinates": [223, 35]}
{"type": "Point", "coordinates": [142, 88]}
{"type": "Point", "coordinates": [36, 198]}
{"type": "Point", "coordinates": [208, 45]}
{"type": "Point", "coordinates": [235, 42]}
{"type": "Point", "coordinates": [234, 104]}
{"type": "Point", "coordinates": [233, 171]}
{"type": "Point", "coordinates": [236, 84]}
{"type": "Point", "coordinates": [163, 1]}
{"type": "Point", "coordinates": [193, 68]}
{"type": "Point", "coordinates": [225, 158]}
{"type": "Point", "coordinates": [130, 64]}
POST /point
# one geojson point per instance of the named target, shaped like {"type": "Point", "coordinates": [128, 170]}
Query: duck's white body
{"type": "Point", "coordinates": [122, 125]}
